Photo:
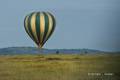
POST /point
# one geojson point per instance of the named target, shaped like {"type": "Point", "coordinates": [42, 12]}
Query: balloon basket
{"type": "Point", "coordinates": [40, 49]}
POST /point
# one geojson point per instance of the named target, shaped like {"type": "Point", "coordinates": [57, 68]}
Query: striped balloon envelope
{"type": "Point", "coordinates": [39, 26]}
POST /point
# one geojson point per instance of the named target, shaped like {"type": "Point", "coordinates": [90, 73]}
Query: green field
{"type": "Point", "coordinates": [60, 67]}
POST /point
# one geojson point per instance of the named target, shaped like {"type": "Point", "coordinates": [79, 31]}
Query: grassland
{"type": "Point", "coordinates": [60, 67]}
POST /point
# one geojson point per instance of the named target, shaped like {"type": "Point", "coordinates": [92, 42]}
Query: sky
{"type": "Point", "coordinates": [92, 24]}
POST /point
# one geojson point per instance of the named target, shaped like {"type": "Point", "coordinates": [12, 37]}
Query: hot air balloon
{"type": "Point", "coordinates": [39, 26]}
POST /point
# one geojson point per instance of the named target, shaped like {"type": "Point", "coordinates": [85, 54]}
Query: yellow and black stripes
{"type": "Point", "coordinates": [39, 26]}
{"type": "Point", "coordinates": [37, 22]}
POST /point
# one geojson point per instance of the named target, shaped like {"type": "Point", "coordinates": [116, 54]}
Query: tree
{"type": "Point", "coordinates": [57, 52]}
{"type": "Point", "coordinates": [85, 52]}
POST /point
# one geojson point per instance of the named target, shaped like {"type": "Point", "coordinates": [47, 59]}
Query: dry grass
{"type": "Point", "coordinates": [59, 67]}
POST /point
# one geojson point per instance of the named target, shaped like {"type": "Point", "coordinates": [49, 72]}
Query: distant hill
{"type": "Point", "coordinates": [34, 50]}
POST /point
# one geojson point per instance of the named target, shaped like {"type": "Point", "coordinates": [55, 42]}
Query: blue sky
{"type": "Point", "coordinates": [92, 24]}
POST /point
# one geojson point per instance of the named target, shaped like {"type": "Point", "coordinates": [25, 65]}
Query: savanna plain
{"type": "Point", "coordinates": [60, 67]}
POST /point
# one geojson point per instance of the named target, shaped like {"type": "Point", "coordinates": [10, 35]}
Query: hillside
{"type": "Point", "coordinates": [34, 50]}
